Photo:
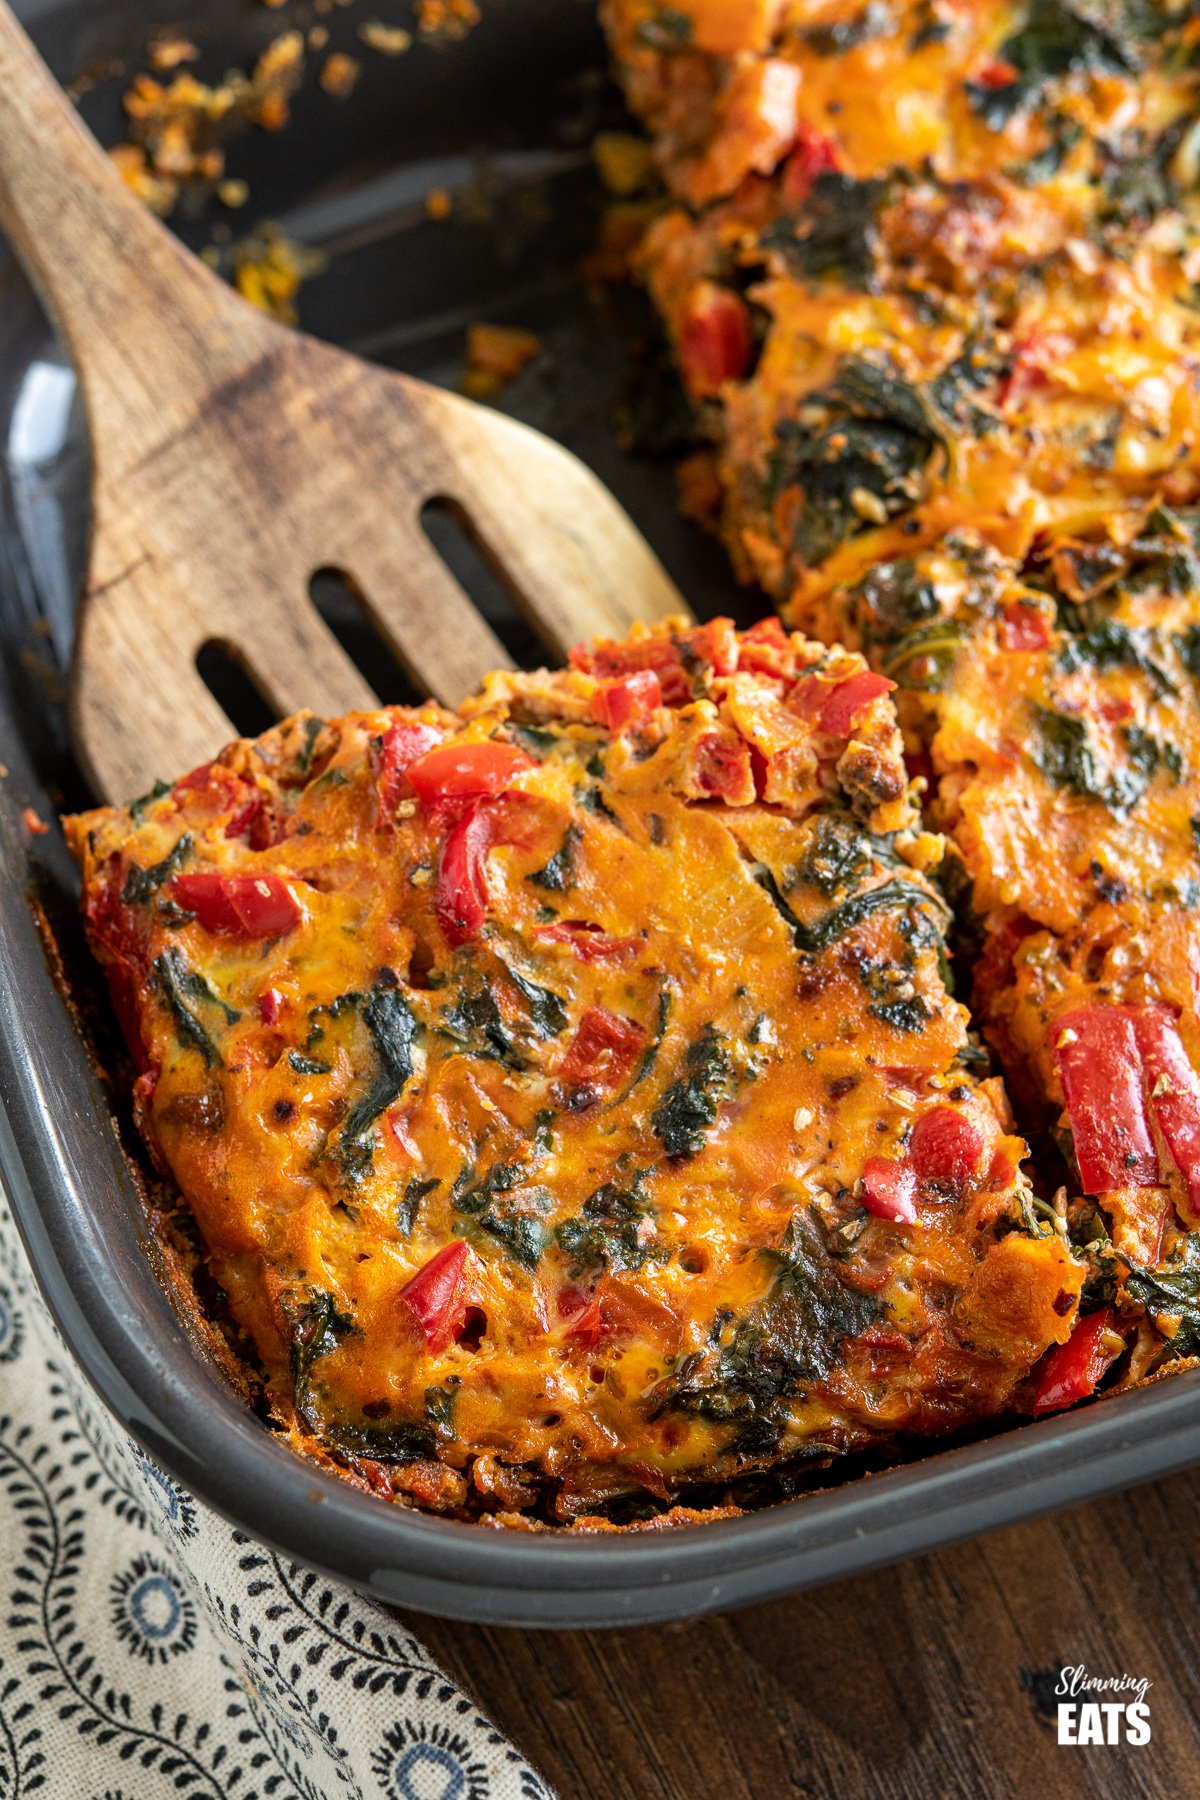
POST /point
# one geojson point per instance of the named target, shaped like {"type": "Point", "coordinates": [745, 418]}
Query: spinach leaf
{"type": "Point", "coordinates": [138, 807]}
{"type": "Point", "coordinates": [475, 1022]}
{"type": "Point", "coordinates": [865, 464]}
{"type": "Point", "coordinates": [401, 1442]}
{"type": "Point", "coordinates": [142, 884]}
{"type": "Point", "coordinates": [902, 1015]}
{"type": "Point", "coordinates": [1063, 751]}
{"type": "Point", "coordinates": [1111, 645]}
{"type": "Point", "coordinates": [812, 939]}
{"type": "Point", "coordinates": [415, 1190]}
{"type": "Point", "coordinates": [559, 873]}
{"type": "Point", "coordinates": [393, 1028]}
{"type": "Point", "coordinates": [1173, 1287]}
{"type": "Point", "coordinates": [547, 1012]}
{"type": "Point", "coordinates": [1056, 39]}
{"type": "Point", "coordinates": [793, 1336]}
{"type": "Point", "coordinates": [689, 1106]}
{"type": "Point", "coordinates": [307, 1065]}
{"type": "Point", "coordinates": [835, 233]}
{"type": "Point", "coordinates": [604, 1235]}
{"type": "Point", "coordinates": [521, 1233]}
{"type": "Point", "coordinates": [177, 985]}
{"type": "Point", "coordinates": [837, 854]}
{"type": "Point", "coordinates": [315, 1326]}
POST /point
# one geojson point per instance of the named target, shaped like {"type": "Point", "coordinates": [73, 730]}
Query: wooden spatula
{"type": "Point", "coordinates": [233, 457]}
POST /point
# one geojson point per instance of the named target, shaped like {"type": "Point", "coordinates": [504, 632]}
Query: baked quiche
{"type": "Point", "coordinates": [928, 271]}
{"type": "Point", "coordinates": [570, 1093]}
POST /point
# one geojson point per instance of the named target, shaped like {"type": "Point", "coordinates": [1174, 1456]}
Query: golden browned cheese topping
{"type": "Point", "coordinates": [569, 1093]}
{"type": "Point", "coordinates": [929, 272]}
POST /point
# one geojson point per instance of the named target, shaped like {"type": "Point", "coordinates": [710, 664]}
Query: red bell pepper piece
{"type": "Point", "coordinates": [1024, 628]}
{"type": "Point", "coordinates": [715, 342]}
{"type": "Point", "coordinates": [945, 1146]}
{"type": "Point", "coordinates": [1173, 1088]}
{"type": "Point", "coordinates": [1100, 1067]}
{"type": "Point", "coordinates": [995, 73]}
{"type": "Point", "coordinates": [612, 656]}
{"type": "Point", "coordinates": [603, 1050]}
{"type": "Point", "coordinates": [723, 770]}
{"type": "Point", "coordinates": [269, 1003]}
{"type": "Point", "coordinates": [402, 746]}
{"type": "Point", "coordinates": [765, 649]}
{"type": "Point", "coordinates": [849, 700]}
{"type": "Point", "coordinates": [815, 154]}
{"type": "Point", "coordinates": [889, 1189]}
{"type": "Point", "coordinates": [240, 906]}
{"type": "Point", "coordinates": [1070, 1371]}
{"type": "Point", "coordinates": [461, 896]}
{"type": "Point", "coordinates": [627, 699]}
{"type": "Point", "coordinates": [589, 942]}
{"type": "Point", "coordinates": [436, 1295]}
{"type": "Point", "coordinates": [452, 775]}
{"type": "Point", "coordinates": [613, 1311]}
{"type": "Point", "coordinates": [717, 644]}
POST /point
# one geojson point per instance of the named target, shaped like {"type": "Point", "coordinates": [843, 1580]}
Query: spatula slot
{"type": "Point", "coordinates": [343, 608]}
{"type": "Point", "coordinates": [451, 531]}
{"type": "Point", "coordinates": [231, 683]}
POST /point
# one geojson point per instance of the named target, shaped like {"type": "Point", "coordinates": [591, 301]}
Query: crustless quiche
{"type": "Point", "coordinates": [928, 269]}
{"type": "Point", "coordinates": [571, 1092]}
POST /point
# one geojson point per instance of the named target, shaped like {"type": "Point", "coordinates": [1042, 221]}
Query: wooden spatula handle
{"type": "Point", "coordinates": [104, 267]}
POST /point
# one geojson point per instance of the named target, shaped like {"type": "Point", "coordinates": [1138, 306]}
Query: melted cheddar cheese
{"type": "Point", "coordinates": [569, 1093]}
{"type": "Point", "coordinates": [928, 268]}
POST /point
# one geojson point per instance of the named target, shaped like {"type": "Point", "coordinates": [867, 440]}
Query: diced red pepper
{"type": "Point", "coordinates": [815, 154]}
{"type": "Point", "coordinates": [1174, 1090]}
{"type": "Point", "coordinates": [722, 769]}
{"type": "Point", "coordinates": [1100, 1067]}
{"type": "Point", "coordinates": [269, 1003]}
{"type": "Point", "coordinates": [1024, 628]}
{"type": "Point", "coordinates": [603, 1050]}
{"type": "Point", "coordinates": [715, 342]}
{"type": "Point", "coordinates": [945, 1146]}
{"type": "Point", "coordinates": [627, 699]}
{"type": "Point", "coordinates": [995, 73]}
{"type": "Point", "coordinates": [765, 649]}
{"type": "Point", "coordinates": [452, 775]}
{"type": "Point", "coordinates": [240, 906]}
{"type": "Point", "coordinates": [214, 788]}
{"type": "Point", "coordinates": [1071, 1370]}
{"type": "Point", "coordinates": [716, 644]}
{"type": "Point", "coordinates": [613, 656]}
{"type": "Point", "coordinates": [403, 745]}
{"type": "Point", "coordinates": [461, 896]}
{"type": "Point", "coordinates": [889, 1189]}
{"type": "Point", "coordinates": [35, 826]}
{"type": "Point", "coordinates": [588, 941]}
{"type": "Point", "coordinates": [436, 1295]}
{"type": "Point", "coordinates": [614, 1311]}
{"type": "Point", "coordinates": [849, 700]}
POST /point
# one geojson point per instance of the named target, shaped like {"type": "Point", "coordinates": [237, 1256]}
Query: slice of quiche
{"type": "Point", "coordinates": [569, 1093]}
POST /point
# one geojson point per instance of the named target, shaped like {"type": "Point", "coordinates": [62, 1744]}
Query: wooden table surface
{"type": "Point", "coordinates": [923, 1682]}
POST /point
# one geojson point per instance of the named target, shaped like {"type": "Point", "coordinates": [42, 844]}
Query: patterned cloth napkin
{"type": "Point", "coordinates": [149, 1650]}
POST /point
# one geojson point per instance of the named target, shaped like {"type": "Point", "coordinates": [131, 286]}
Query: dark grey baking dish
{"type": "Point", "coordinates": [514, 104]}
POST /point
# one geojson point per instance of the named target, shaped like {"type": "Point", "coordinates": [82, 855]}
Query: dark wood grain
{"type": "Point", "coordinates": [915, 1683]}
